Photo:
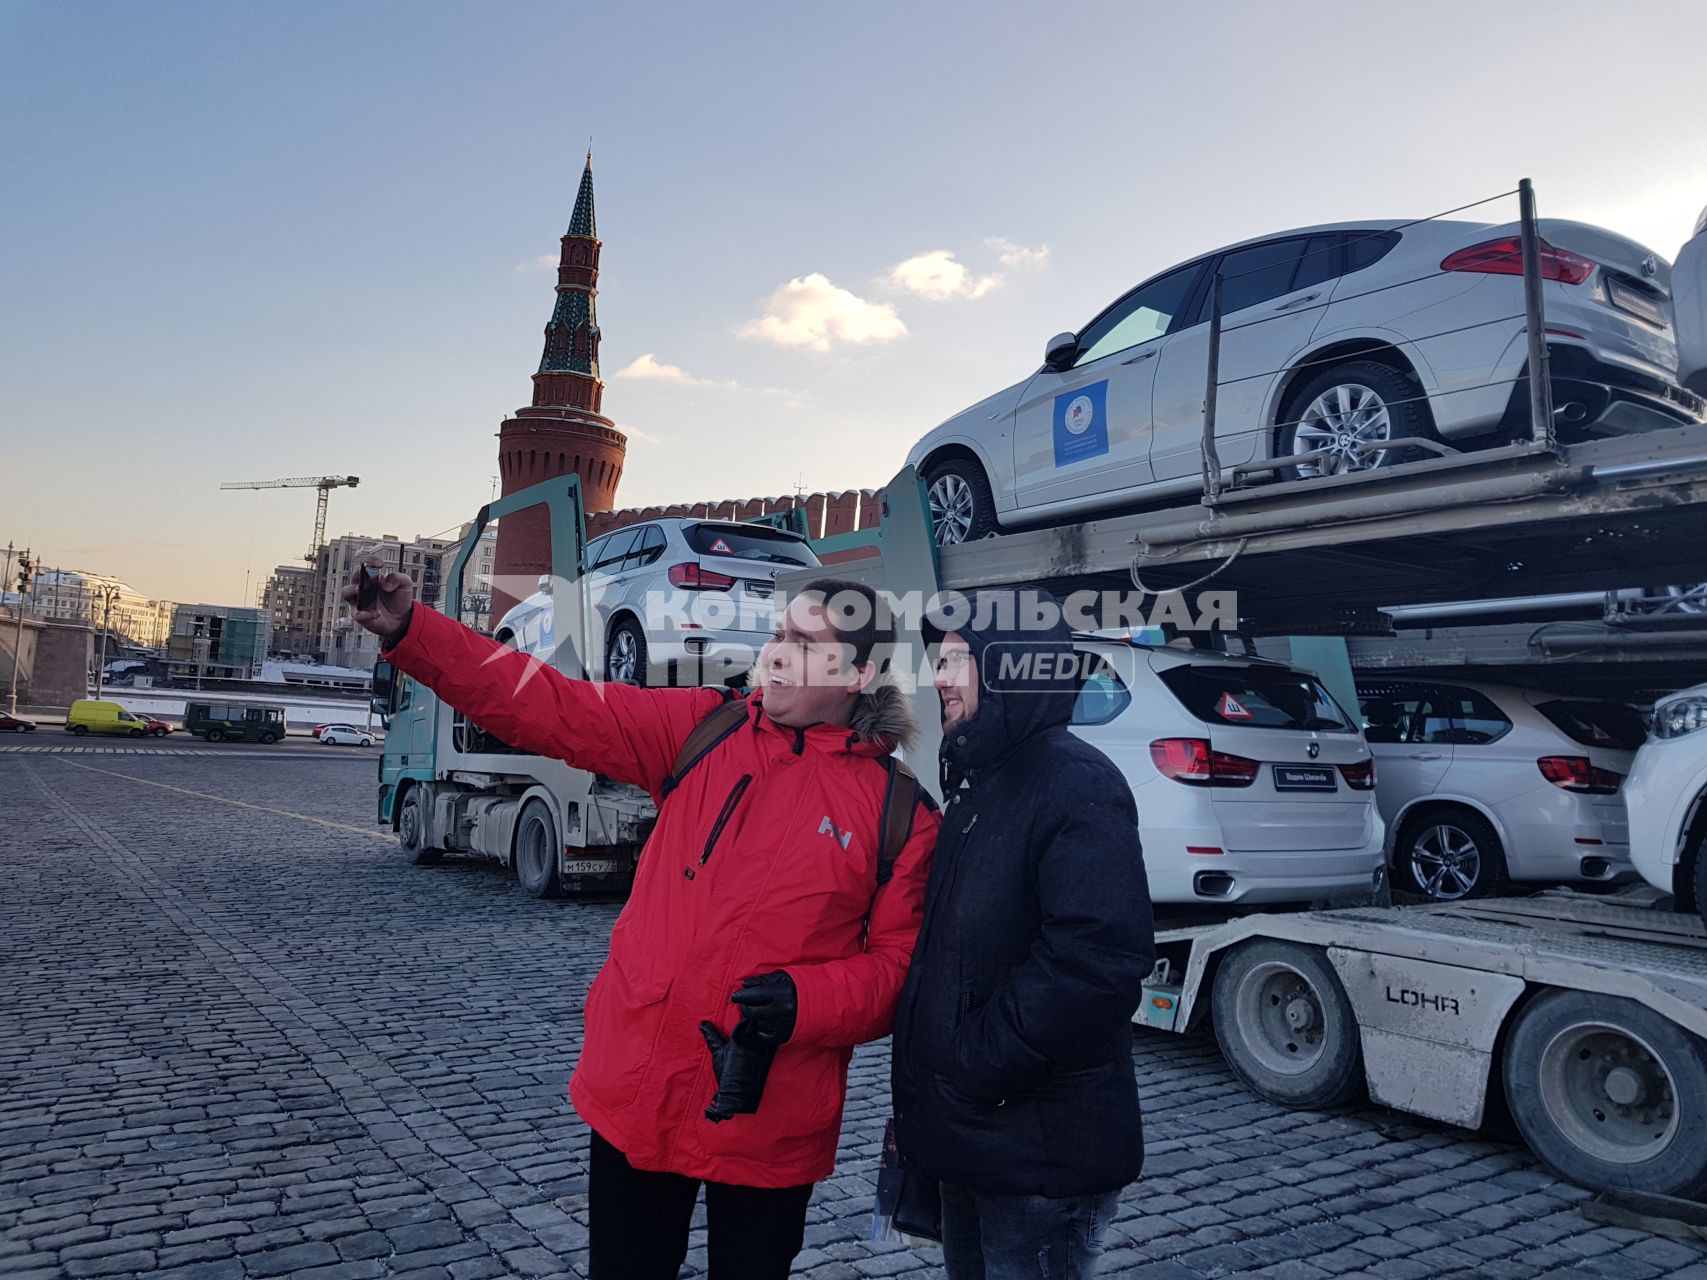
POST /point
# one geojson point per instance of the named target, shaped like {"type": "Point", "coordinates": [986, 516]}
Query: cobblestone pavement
{"type": "Point", "coordinates": [242, 1038]}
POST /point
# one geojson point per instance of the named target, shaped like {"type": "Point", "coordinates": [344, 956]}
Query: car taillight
{"type": "Point", "coordinates": [1576, 773]}
{"type": "Point", "coordinates": [691, 577]}
{"type": "Point", "coordinates": [1359, 776]}
{"type": "Point", "coordinates": [1194, 762]}
{"type": "Point", "coordinates": [1504, 257]}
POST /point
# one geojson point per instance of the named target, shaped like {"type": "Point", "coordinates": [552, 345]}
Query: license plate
{"type": "Point", "coordinates": [592, 866]}
{"type": "Point", "coordinates": [1304, 777]}
{"type": "Point", "coordinates": [1635, 301]}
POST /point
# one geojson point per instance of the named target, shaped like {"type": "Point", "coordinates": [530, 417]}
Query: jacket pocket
{"type": "Point", "coordinates": [624, 1021]}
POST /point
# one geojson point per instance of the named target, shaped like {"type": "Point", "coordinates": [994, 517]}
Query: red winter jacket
{"type": "Point", "coordinates": [780, 830]}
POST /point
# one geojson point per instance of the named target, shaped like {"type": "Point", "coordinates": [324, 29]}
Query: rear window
{"type": "Point", "coordinates": [1366, 248]}
{"type": "Point", "coordinates": [1256, 698]}
{"type": "Point", "coordinates": [1597, 724]}
{"type": "Point", "coordinates": [748, 542]}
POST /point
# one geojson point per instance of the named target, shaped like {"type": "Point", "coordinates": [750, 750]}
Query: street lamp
{"type": "Point", "coordinates": [108, 592]}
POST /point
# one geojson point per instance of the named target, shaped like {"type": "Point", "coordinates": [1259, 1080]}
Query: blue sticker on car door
{"type": "Point", "coordinates": [1081, 423]}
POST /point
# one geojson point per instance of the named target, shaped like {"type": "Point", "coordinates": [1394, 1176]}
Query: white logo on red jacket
{"type": "Point", "coordinates": [828, 828]}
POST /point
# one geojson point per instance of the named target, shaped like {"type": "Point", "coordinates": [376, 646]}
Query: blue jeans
{"type": "Point", "coordinates": [1023, 1237]}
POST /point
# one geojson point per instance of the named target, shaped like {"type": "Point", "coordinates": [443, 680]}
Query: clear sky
{"type": "Point", "coordinates": [244, 241]}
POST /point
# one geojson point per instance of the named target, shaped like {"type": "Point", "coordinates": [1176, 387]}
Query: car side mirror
{"type": "Point", "coordinates": [1060, 349]}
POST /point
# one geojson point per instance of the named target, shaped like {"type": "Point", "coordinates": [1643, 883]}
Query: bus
{"type": "Point", "coordinates": [238, 721]}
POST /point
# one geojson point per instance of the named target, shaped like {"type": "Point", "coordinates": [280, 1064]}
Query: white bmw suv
{"type": "Point", "coordinates": [1485, 784]}
{"type": "Point", "coordinates": [1339, 337]}
{"type": "Point", "coordinates": [1252, 784]}
{"type": "Point", "coordinates": [1665, 792]}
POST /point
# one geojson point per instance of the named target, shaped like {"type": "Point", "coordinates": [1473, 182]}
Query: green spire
{"type": "Point", "coordinates": [582, 222]}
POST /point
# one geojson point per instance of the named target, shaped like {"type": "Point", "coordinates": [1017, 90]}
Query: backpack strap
{"type": "Point", "coordinates": [900, 798]}
{"type": "Point", "coordinates": [723, 719]}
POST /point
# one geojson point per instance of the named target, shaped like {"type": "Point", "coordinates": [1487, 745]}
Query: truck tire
{"type": "Point", "coordinates": [1285, 1026]}
{"type": "Point", "coordinates": [1609, 1094]}
{"type": "Point", "coordinates": [537, 850]}
{"type": "Point", "coordinates": [412, 830]}
{"type": "Point", "coordinates": [267, 739]}
{"type": "Point", "coordinates": [79, 729]}
{"type": "Point", "coordinates": [216, 735]}
{"type": "Point", "coordinates": [137, 733]}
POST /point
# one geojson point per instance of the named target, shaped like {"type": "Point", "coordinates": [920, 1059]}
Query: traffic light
{"type": "Point", "coordinates": [26, 568]}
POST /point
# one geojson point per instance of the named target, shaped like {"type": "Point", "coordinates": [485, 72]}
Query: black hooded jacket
{"type": "Point", "coordinates": [1012, 1055]}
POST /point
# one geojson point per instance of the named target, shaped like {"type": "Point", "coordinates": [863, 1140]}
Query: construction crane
{"type": "Point", "coordinates": [325, 484]}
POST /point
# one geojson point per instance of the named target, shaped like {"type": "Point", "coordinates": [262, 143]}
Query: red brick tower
{"type": "Point", "coordinates": [562, 432]}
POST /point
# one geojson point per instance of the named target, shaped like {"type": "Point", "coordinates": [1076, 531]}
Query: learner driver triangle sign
{"type": "Point", "coordinates": [1232, 709]}
{"type": "Point", "coordinates": [721, 547]}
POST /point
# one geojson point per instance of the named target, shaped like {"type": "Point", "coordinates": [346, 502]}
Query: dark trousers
{"type": "Point", "coordinates": [639, 1223]}
{"type": "Point", "coordinates": [1023, 1237]}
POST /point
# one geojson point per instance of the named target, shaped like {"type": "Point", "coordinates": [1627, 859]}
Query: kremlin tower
{"type": "Point", "coordinates": [562, 432]}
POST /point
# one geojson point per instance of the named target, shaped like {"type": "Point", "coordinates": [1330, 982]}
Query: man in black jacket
{"type": "Point", "coordinates": [1013, 1074]}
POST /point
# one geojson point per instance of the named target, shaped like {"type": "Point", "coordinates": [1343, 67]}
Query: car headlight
{"type": "Point", "coordinates": [1675, 719]}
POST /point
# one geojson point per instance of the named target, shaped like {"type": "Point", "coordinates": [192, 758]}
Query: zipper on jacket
{"type": "Point", "coordinates": [723, 816]}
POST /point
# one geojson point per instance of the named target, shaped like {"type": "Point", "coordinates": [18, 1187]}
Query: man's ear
{"type": "Point", "coordinates": [865, 674]}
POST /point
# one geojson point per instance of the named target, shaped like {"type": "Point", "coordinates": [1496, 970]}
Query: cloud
{"type": "Point", "coordinates": [1017, 255]}
{"type": "Point", "coordinates": [545, 262]}
{"type": "Point", "coordinates": [811, 311]}
{"type": "Point", "coordinates": [648, 368]}
{"type": "Point", "coordinates": [938, 275]}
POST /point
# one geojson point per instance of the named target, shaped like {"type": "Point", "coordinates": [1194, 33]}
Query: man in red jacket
{"type": "Point", "coordinates": [756, 920]}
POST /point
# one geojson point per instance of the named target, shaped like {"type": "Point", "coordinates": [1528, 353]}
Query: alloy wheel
{"type": "Point", "coordinates": [1352, 421]}
{"type": "Point", "coordinates": [1445, 862]}
{"type": "Point", "coordinates": [951, 502]}
{"type": "Point", "coordinates": [620, 665]}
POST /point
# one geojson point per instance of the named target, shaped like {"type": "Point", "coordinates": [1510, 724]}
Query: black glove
{"type": "Point", "coordinates": [769, 1004]}
{"type": "Point", "coordinates": [741, 1061]}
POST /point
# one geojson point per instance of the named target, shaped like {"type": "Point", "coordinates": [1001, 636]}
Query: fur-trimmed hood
{"type": "Point", "coordinates": [884, 712]}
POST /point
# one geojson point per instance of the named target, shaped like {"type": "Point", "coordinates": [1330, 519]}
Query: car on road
{"type": "Point", "coordinates": [155, 728]}
{"type": "Point", "coordinates": [1483, 785]}
{"type": "Point", "coordinates": [93, 715]}
{"type": "Point", "coordinates": [343, 735]}
{"type": "Point", "coordinates": [1338, 342]}
{"type": "Point", "coordinates": [674, 601]}
{"type": "Point", "coordinates": [1689, 307]}
{"type": "Point", "coordinates": [1667, 795]}
{"type": "Point", "coordinates": [1252, 784]}
{"type": "Point", "coordinates": [12, 724]}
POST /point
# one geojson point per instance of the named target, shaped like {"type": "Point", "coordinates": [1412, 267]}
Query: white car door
{"type": "Point", "coordinates": [1084, 430]}
{"type": "Point", "coordinates": [1272, 299]}
{"type": "Point", "coordinates": [1409, 731]}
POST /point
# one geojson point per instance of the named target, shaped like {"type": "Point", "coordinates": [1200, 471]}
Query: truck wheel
{"type": "Point", "coordinates": [537, 850]}
{"type": "Point", "coordinates": [1285, 1026]}
{"type": "Point", "coordinates": [137, 733]}
{"type": "Point", "coordinates": [1448, 853]}
{"type": "Point", "coordinates": [216, 735]}
{"type": "Point", "coordinates": [79, 729]}
{"type": "Point", "coordinates": [412, 830]}
{"type": "Point", "coordinates": [1609, 1094]}
{"type": "Point", "coordinates": [267, 739]}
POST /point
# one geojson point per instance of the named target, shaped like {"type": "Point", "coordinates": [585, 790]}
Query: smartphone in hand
{"type": "Point", "coordinates": [367, 589]}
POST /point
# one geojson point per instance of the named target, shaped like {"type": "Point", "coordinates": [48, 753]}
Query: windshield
{"type": "Point", "coordinates": [748, 542]}
{"type": "Point", "coordinates": [1256, 698]}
